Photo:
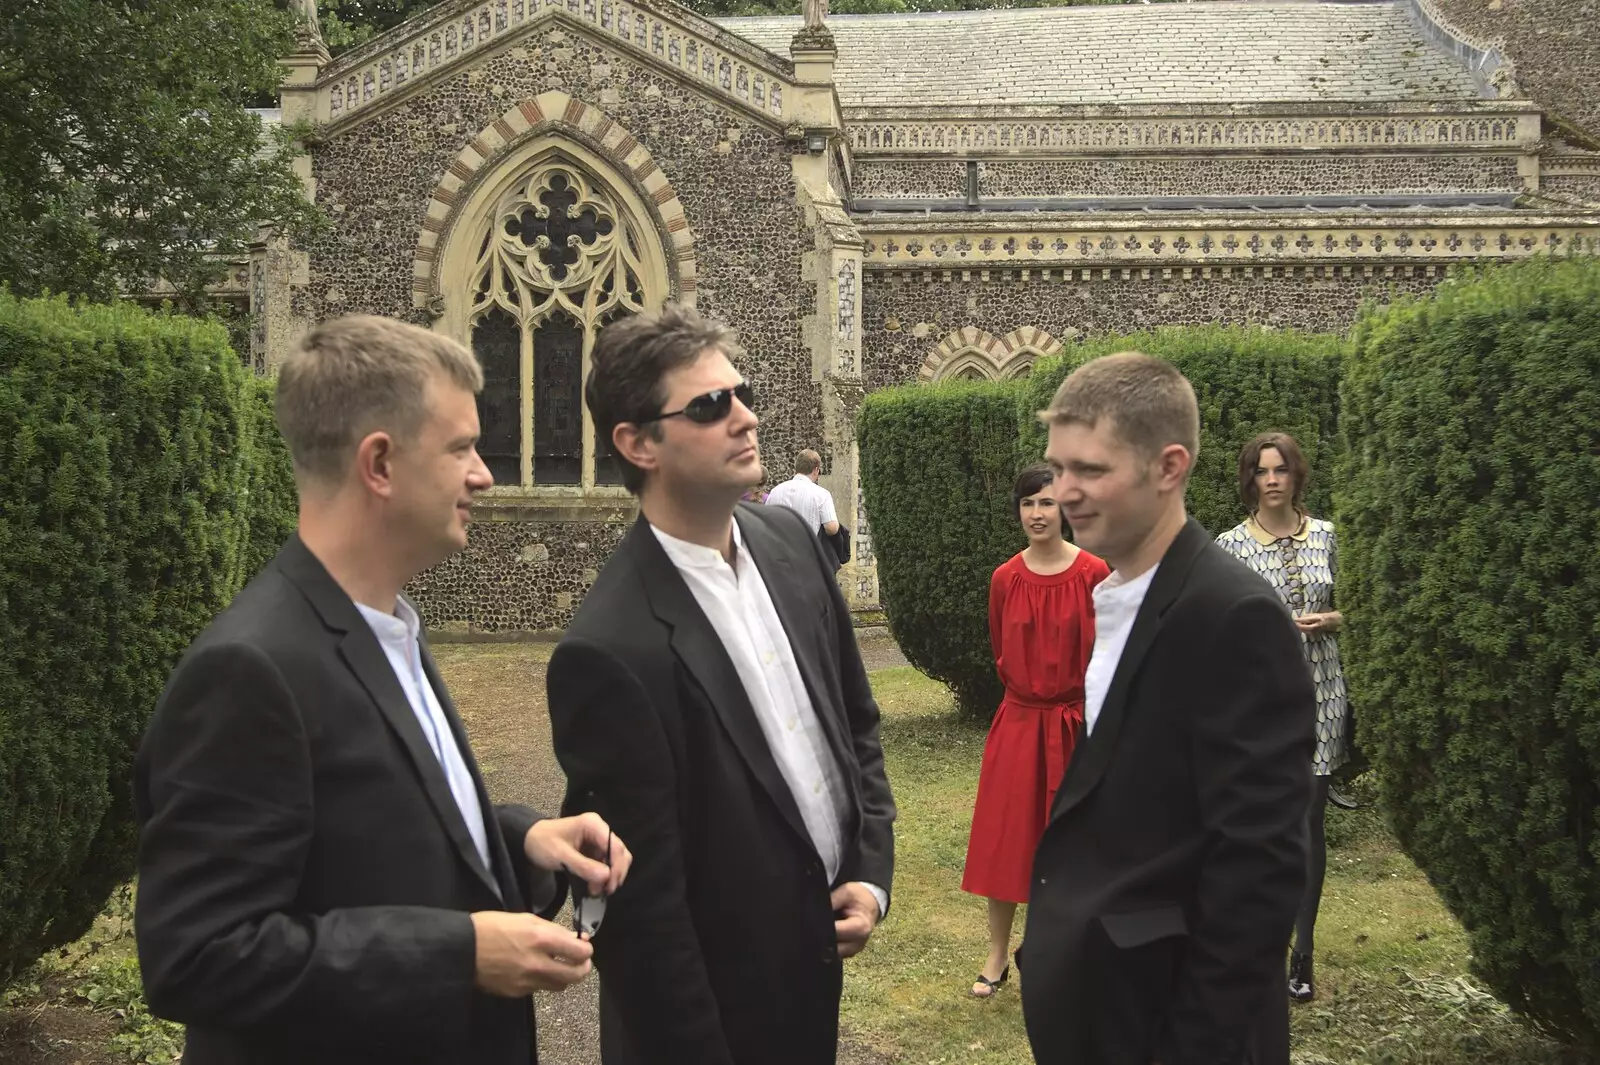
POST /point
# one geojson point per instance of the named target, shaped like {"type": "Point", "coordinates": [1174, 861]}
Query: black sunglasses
{"type": "Point", "coordinates": [588, 910]}
{"type": "Point", "coordinates": [711, 407]}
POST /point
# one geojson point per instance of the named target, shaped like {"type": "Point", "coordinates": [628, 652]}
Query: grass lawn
{"type": "Point", "coordinates": [1392, 962]}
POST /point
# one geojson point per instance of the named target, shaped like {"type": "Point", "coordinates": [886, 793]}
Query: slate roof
{"type": "Point", "coordinates": [1225, 51]}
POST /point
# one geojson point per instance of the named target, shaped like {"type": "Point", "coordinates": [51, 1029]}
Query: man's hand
{"type": "Point", "coordinates": [518, 954]}
{"type": "Point", "coordinates": [1328, 622]}
{"type": "Point", "coordinates": [578, 845]}
{"type": "Point", "coordinates": [859, 915]}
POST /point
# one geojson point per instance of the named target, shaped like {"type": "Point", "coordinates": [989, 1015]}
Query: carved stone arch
{"type": "Point", "coordinates": [515, 138]}
{"type": "Point", "coordinates": [967, 349]}
{"type": "Point", "coordinates": [1023, 347]}
{"type": "Point", "coordinates": [550, 224]}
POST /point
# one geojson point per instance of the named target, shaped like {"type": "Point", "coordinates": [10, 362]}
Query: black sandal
{"type": "Point", "coordinates": [992, 985]}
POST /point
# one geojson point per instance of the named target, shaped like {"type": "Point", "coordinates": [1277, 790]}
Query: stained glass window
{"type": "Point", "coordinates": [557, 261]}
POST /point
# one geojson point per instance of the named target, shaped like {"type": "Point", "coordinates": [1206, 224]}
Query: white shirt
{"type": "Point", "coordinates": [1116, 605]}
{"type": "Point", "coordinates": [736, 602]}
{"type": "Point", "coordinates": [806, 498]}
{"type": "Point", "coordinates": [398, 634]}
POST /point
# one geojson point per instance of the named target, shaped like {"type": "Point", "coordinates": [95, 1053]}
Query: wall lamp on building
{"type": "Point", "coordinates": [816, 142]}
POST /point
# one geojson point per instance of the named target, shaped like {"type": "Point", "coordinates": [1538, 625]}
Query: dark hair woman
{"type": "Point", "coordinates": [1298, 556]}
{"type": "Point", "coordinates": [1041, 628]}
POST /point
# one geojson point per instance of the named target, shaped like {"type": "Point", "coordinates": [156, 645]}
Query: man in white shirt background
{"type": "Point", "coordinates": [803, 495]}
{"type": "Point", "coordinates": [709, 701]}
{"type": "Point", "coordinates": [1167, 881]}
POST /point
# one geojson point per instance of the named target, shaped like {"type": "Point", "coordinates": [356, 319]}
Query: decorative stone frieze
{"type": "Point", "coordinates": [1204, 134]}
{"type": "Point", "coordinates": [1216, 242]}
{"type": "Point", "coordinates": [432, 46]}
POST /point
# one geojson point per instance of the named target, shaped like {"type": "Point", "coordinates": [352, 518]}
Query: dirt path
{"type": "Point", "coordinates": [499, 689]}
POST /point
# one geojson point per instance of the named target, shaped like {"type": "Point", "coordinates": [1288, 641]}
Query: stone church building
{"type": "Point", "coordinates": [876, 200]}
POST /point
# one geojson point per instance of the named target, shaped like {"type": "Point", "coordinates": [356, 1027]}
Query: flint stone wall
{"type": "Point", "coordinates": [734, 178]}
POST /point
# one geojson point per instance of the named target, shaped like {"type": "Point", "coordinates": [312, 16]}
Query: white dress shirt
{"type": "Point", "coordinates": [1116, 605]}
{"type": "Point", "coordinates": [398, 634]}
{"type": "Point", "coordinates": [736, 602]}
{"type": "Point", "coordinates": [806, 498]}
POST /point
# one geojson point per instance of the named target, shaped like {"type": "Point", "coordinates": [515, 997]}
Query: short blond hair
{"type": "Point", "coordinates": [807, 462]}
{"type": "Point", "coordinates": [357, 375]}
{"type": "Point", "coordinates": [1149, 403]}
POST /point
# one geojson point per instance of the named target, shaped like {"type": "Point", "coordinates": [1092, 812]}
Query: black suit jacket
{"type": "Point", "coordinates": [305, 875]}
{"type": "Point", "coordinates": [1166, 883]}
{"type": "Point", "coordinates": [720, 948]}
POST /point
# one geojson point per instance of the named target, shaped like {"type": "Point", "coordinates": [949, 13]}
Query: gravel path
{"type": "Point", "coordinates": [499, 689]}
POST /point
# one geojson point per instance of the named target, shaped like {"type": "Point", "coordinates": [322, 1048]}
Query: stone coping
{"type": "Point", "coordinates": [443, 42]}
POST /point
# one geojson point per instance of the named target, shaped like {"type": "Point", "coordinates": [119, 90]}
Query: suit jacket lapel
{"type": "Point", "coordinates": [503, 876]}
{"type": "Point", "coordinates": [695, 643]}
{"type": "Point", "coordinates": [783, 578]}
{"type": "Point", "coordinates": [366, 659]}
{"type": "Point", "coordinates": [1094, 753]}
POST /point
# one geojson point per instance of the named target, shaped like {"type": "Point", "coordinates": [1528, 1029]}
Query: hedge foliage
{"type": "Point", "coordinates": [937, 465]}
{"type": "Point", "coordinates": [1470, 540]}
{"type": "Point", "coordinates": [1247, 381]}
{"type": "Point", "coordinates": [127, 465]}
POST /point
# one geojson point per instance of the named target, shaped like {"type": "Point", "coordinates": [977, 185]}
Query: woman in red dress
{"type": "Point", "coordinates": [1041, 626]}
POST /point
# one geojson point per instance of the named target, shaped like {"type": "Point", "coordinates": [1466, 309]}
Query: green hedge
{"type": "Point", "coordinates": [274, 506]}
{"type": "Point", "coordinates": [937, 465]}
{"type": "Point", "coordinates": [126, 463]}
{"type": "Point", "coordinates": [1248, 381]}
{"type": "Point", "coordinates": [1470, 514]}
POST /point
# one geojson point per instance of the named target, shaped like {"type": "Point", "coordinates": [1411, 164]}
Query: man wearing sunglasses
{"type": "Point", "coordinates": [709, 702]}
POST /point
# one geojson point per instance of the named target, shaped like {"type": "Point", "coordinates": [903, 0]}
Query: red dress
{"type": "Point", "coordinates": [1042, 631]}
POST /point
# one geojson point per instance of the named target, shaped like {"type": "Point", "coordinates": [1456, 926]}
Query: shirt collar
{"type": "Point", "coordinates": [1266, 539]}
{"type": "Point", "coordinates": [403, 623]}
{"type": "Point", "coordinates": [685, 555]}
{"type": "Point", "coordinates": [1117, 585]}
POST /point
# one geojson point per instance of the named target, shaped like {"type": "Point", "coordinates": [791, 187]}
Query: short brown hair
{"type": "Point", "coordinates": [807, 462]}
{"type": "Point", "coordinates": [1030, 482]}
{"type": "Point", "coordinates": [1250, 458]}
{"type": "Point", "coordinates": [356, 375]}
{"type": "Point", "coordinates": [1149, 403]}
{"type": "Point", "coordinates": [631, 358]}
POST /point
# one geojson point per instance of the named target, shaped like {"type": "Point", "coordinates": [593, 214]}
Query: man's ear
{"type": "Point", "coordinates": [1173, 465]}
{"type": "Point", "coordinates": [375, 464]}
{"type": "Point", "coordinates": [636, 444]}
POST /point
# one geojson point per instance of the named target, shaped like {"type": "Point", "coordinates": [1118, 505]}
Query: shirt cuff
{"type": "Point", "coordinates": [881, 895]}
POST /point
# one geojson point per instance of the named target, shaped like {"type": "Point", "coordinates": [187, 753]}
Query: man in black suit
{"type": "Point", "coordinates": [1166, 883]}
{"type": "Point", "coordinates": [322, 878]}
{"type": "Point", "coordinates": [709, 701]}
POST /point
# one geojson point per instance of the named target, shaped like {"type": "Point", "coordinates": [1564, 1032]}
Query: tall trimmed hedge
{"type": "Point", "coordinates": [937, 465]}
{"type": "Point", "coordinates": [1247, 381]}
{"type": "Point", "coordinates": [126, 463]}
{"type": "Point", "coordinates": [1470, 511]}
{"type": "Point", "coordinates": [274, 507]}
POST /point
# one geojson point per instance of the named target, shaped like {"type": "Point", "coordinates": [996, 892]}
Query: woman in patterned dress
{"type": "Point", "coordinates": [1041, 628]}
{"type": "Point", "coordinates": [1298, 556]}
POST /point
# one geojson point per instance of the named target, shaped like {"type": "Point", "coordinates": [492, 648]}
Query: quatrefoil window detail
{"type": "Point", "coordinates": [556, 228]}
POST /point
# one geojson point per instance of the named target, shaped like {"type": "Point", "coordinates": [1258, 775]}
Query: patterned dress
{"type": "Point", "coordinates": [1302, 567]}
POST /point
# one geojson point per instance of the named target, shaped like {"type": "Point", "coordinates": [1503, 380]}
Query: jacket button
{"type": "Point", "coordinates": [1042, 880]}
{"type": "Point", "coordinates": [829, 956]}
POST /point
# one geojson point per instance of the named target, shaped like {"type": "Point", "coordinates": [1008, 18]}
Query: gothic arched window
{"type": "Point", "coordinates": [558, 261]}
